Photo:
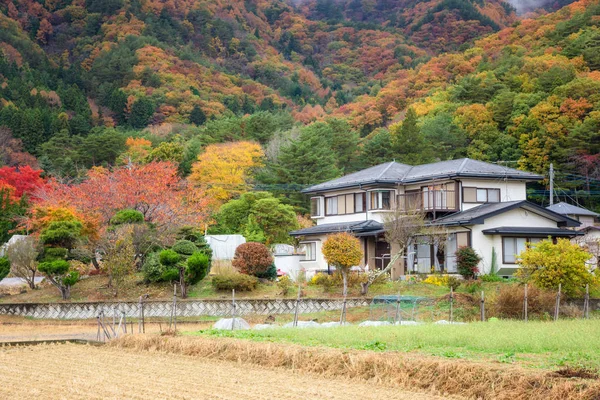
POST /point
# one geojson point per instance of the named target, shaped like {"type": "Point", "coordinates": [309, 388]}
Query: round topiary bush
{"type": "Point", "coordinates": [253, 259]}
{"type": "Point", "coordinates": [184, 247]}
{"type": "Point", "coordinates": [197, 268]}
{"type": "Point", "coordinates": [152, 269]}
{"type": "Point", "coordinates": [169, 257]}
{"type": "Point", "coordinates": [127, 216]}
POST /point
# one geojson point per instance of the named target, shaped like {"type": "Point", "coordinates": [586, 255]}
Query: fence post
{"type": "Point", "coordinates": [398, 317]}
{"type": "Point", "coordinates": [141, 324]}
{"type": "Point", "coordinates": [175, 308]}
{"type": "Point", "coordinates": [233, 309]}
{"type": "Point", "coordinates": [557, 305]}
{"type": "Point", "coordinates": [586, 302]}
{"type": "Point", "coordinates": [297, 306]}
{"type": "Point", "coordinates": [525, 305]}
{"type": "Point", "coordinates": [482, 306]}
{"type": "Point", "coordinates": [451, 304]}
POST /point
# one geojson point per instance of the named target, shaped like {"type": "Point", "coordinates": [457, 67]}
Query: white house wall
{"type": "Point", "coordinates": [509, 190]}
{"type": "Point", "coordinates": [483, 244]}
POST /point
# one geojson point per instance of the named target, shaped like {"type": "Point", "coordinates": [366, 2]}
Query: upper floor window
{"type": "Point", "coordinates": [380, 200]}
{"type": "Point", "coordinates": [315, 207]}
{"type": "Point", "coordinates": [345, 204]}
{"type": "Point", "coordinates": [360, 202]}
{"type": "Point", "coordinates": [480, 195]}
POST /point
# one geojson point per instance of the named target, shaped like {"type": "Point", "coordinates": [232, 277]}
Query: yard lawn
{"type": "Point", "coordinates": [536, 344]}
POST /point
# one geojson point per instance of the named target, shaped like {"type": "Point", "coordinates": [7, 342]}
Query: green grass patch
{"type": "Point", "coordinates": [574, 343]}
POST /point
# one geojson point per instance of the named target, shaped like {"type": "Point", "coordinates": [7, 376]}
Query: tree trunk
{"type": "Point", "coordinates": [95, 262]}
{"type": "Point", "coordinates": [65, 292]}
{"type": "Point", "coordinates": [31, 281]}
{"type": "Point", "coordinates": [345, 279]}
{"type": "Point", "coordinates": [182, 284]}
{"type": "Point", "coordinates": [364, 287]}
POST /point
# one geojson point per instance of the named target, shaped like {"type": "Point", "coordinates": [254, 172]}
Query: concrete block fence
{"type": "Point", "coordinates": [185, 308]}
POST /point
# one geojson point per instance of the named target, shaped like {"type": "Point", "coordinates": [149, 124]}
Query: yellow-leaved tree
{"type": "Point", "coordinates": [547, 264]}
{"type": "Point", "coordinates": [224, 170]}
{"type": "Point", "coordinates": [342, 250]}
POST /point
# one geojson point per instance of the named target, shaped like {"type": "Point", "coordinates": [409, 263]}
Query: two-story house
{"type": "Point", "coordinates": [478, 204]}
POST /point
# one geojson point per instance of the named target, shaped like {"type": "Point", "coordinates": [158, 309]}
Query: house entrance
{"type": "Point", "coordinates": [382, 253]}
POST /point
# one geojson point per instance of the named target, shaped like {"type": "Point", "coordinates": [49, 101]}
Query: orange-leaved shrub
{"type": "Point", "coordinates": [252, 259]}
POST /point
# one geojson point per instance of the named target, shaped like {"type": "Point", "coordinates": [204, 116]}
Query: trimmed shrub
{"type": "Point", "coordinates": [54, 253]}
{"type": "Point", "coordinates": [184, 247]}
{"type": "Point", "coordinates": [197, 268]}
{"type": "Point", "coordinates": [4, 267]}
{"type": "Point", "coordinates": [152, 269]}
{"type": "Point", "coordinates": [466, 261]}
{"type": "Point", "coordinates": [270, 273]}
{"type": "Point", "coordinates": [491, 278]}
{"type": "Point", "coordinates": [169, 257]}
{"type": "Point", "coordinates": [253, 259]}
{"type": "Point", "coordinates": [239, 282]}
{"type": "Point", "coordinates": [127, 216]}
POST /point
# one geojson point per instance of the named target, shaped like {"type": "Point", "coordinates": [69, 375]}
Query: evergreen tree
{"type": "Point", "coordinates": [197, 116]}
{"type": "Point", "coordinates": [141, 112]}
{"type": "Point", "coordinates": [377, 149]}
{"type": "Point", "coordinates": [408, 143]}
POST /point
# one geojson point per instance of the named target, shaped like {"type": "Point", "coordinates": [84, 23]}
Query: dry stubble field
{"type": "Point", "coordinates": [71, 371]}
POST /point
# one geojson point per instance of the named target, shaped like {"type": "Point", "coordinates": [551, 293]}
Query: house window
{"type": "Point", "coordinates": [315, 207]}
{"type": "Point", "coordinates": [513, 246]}
{"type": "Point", "coordinates": [380, 200]}
{"type": "Point", "coordinates": [359, 202]}
{"type": "Point", "coordinates": [310, 251]}
{"type": "Point", "coordinates": [331, 205]}
{"type": "Point", "coordinates": [480, 195]}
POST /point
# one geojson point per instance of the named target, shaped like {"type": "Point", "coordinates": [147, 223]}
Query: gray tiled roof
{"type": "Point", "coordinates": [532, 231]}
{"type": "Point", "coordinates": [393, 172]}
{"type": "Point", "coordinates": [569, 209]}
{"type": "Point", "coordinates": [477, 215]}
{"type": "Point", "coordinates": [355, 227]}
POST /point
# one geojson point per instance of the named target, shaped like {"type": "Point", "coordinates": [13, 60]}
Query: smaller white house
{"type": "Point", "coordinates": [223, 246]}
{"type": "Point", "coordinates": [583, 215]}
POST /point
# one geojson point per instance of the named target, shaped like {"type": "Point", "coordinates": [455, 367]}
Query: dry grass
{"type": "Point", "coordinates": [456, 377]}
{"type": "Point", "coordinates": [70, 371]}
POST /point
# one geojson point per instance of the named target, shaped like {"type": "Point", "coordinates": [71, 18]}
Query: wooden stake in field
{"type": "Point", "coordinates": [557, 306]}
{"type": "Point", "coordinates": [482, 306]}
{"type": "Point", "coordinates": [525, 306]}
{"type": "Point", "coordinates": [586, 302]}
{"type": "Point", "coordinates": [232, 309]}
{"type": "Point", "coordinates": [451, 304]}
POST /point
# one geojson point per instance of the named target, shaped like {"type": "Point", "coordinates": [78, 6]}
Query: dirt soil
{"type": "Point", "coordinates": [85, 372]}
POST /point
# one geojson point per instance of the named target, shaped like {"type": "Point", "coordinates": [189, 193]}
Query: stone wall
{"type": "Point", "coordinates": [185, 308]}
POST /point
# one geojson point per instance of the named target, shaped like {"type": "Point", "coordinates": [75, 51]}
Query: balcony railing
{"type": "Point", "coordinates": [431, 200]}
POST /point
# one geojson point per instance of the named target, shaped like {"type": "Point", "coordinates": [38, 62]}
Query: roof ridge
{"type": "Point", "coordinates": [386, 168]}
{"type": "Point", "coordinates": [462, 165]}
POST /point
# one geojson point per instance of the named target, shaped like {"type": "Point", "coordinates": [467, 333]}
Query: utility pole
{"type": "Point", "coordinates": [551, 183]}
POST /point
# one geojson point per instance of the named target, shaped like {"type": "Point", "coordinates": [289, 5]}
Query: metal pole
{"type": "Point", "coordinates": [551, 183]}
{"type": "Point", "coordinates": [175, 308]}
{"type": "Point", "coordinates": [398, 317]}
{"type": "Point", "coordinates": [525, 306]}
{"type": "Point", "coordinates": [482, 306]}
{"type": "Point", "coordinates": [233, 309]}
{"type": "Point", "coordinates": [557, 306]}
{"type": "Point", "coordinates": [297, 305]}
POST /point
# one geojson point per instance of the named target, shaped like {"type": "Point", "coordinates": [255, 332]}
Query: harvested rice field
{"type": "Point", "coordinates": [72, 371]}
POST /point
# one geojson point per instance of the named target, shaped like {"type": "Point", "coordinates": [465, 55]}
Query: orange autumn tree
{"type": "Point", "coordinates": [155, 189]}
{"type": "Point", "coordinates": [137, 150]}
{"type": "Point", "coordinates": [342, 250]}
{"type": "Point", "coordinates": [223, 170]}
